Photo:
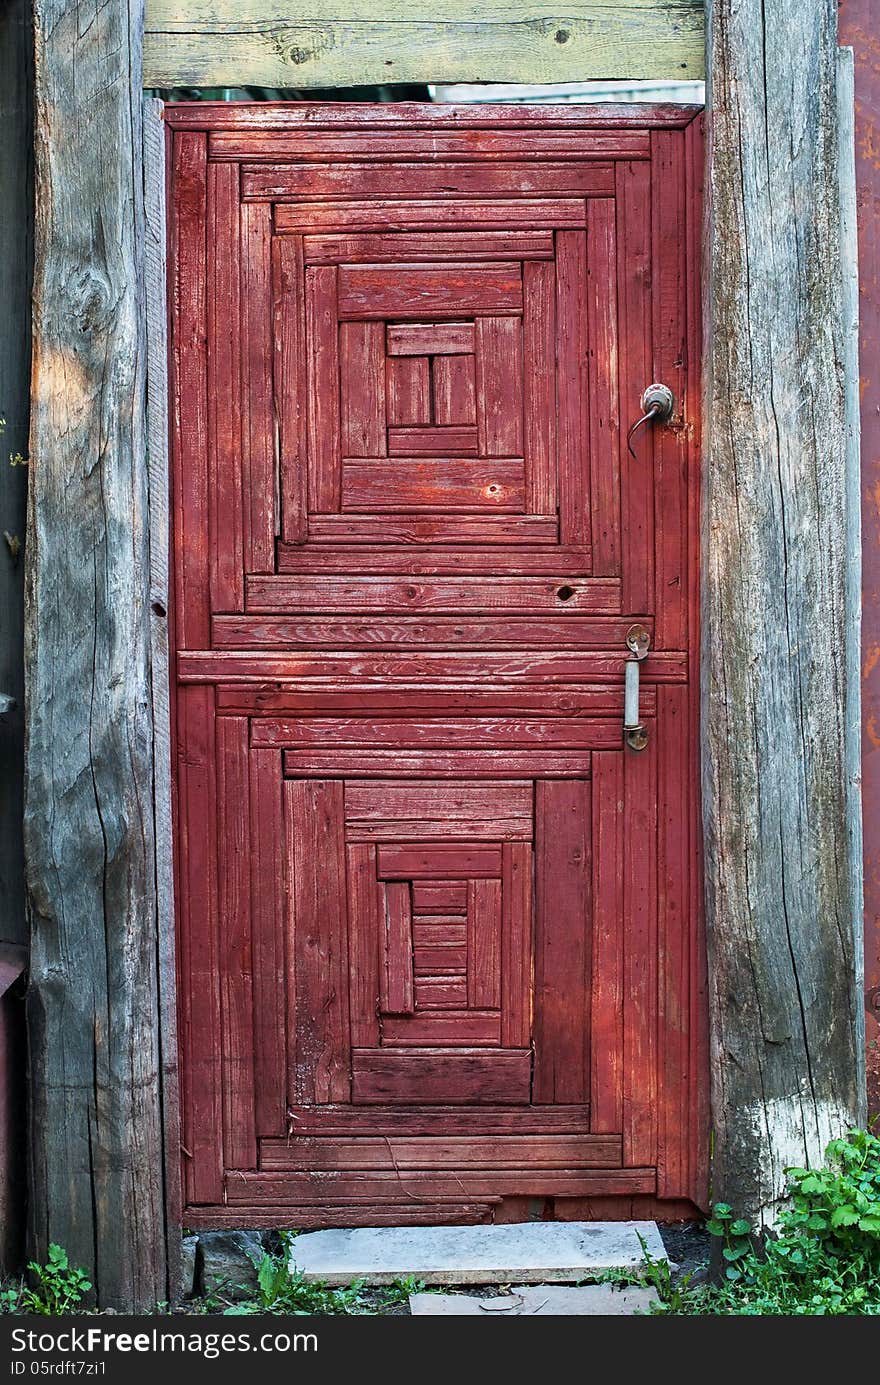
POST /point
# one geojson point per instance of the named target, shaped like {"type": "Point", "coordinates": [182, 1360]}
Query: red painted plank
{"type": "Point", "coordinates": [463, 733]}
{"type": "Point", "coordinates": [433, 441]}
{"type": "Point", "coordinates": [417, 483]}
{"type": "Point", "coordinates": [271, 1188]}
{"type": "Point", "coordinates": [539, 351]}
{"type": "Point", "coordinates": [344, 1212]}
{"type": "Point", "coordinates": [414, 1120]}
{"type": "Point", "coordinates": [434, 1076]}
{"type": "Point", "coordinates": [225, 505]}
{"type": "Point", "coordinates": [445, 1152]}
{"type": "Point", "coordinates": [465, 803]}
{"type": "Point", "coordinates": [637, 478]}
{"type": "Point", "coordinates": [523, 213]}
{"type": "Point", "coordinates": [189, 385]}
{"type": "Point", "coordinates": [444, 962]}
{"type": "Point", "coordinates": [295, 182]}
{"type": "Point", "coordinates": [427, 528]}
{"type": "Point", "coordinates": [365, 899]}
{"type": "Point", "coordinates": [435, 560]}
{"type": "Point", "coordinates": [607, 989]}
{"type": "Point", "coordinates": [597, 126]}
{"type": "Point", "coordinates": [440, 991]}
{"type": "Point", "coordinates": [317, 890]}
{"type": "Point", "coordinates": [432, 338]}
{"type": "Point", "coordinates": [572, 388]}
{"type": "Point", "coordinates": [432, 145]}
{"type": "Point", "coordinates": [669, 330]}
{"type": "Point", "coordinates": [199, 945]}
{"type": "Point", "coordinates": [396, 969]}
{"type": "Point", "coordinates": [440, 594]}
{"type": "Point", "coordinates": [563, 935]}
{"type": "Point", "coordinates": [333, 669]}
{"type": "Point", "coordinates": [484, 944]}
{"type": "Point", "coordinates": [444, 933]}
{"type": "Point", "coordinates": [603, 395]}
{"type": "Point", "coordinates": [401, 248]}
{"type": "Point", "coordinates": [380, 291]}
{"type": "Point", "coordinates": [292, 386]}
{"type": "Point", "coordinates": [516, 944]}
{"type": "Point", "coordinates": [440, 861]}
{"type": "Point", "coordinates": [323, 371]}
{"type": "Point", "coordinates": [674, 854]}
{"type": "Point", "coordinates": [362, 388]}
{"type": "Point", "coordinates": [408, 390]}
{"type": "Point", "coordinates": [267, 926]}
{"type": "Point", "coordinates": [454, 389]}
{"type": "Point", "coordinates": [440, 897]}
{"type": "Point", "coordinates": [587, 633]}
{"type": "Point", "coordinates": [236, 958]}
{"type": "Point", "coordinates": [292, 699]}
{"type": "Point", "coordinates": [497, 764]}
{"type": "Point", "coordinates": [499, 384]}
{"type": "Point", "coordinates": [258, 407]}
{"type": "Point", "coordinates": [443, 1028]}
{"type": "Point", "coordinates": [640, 959]}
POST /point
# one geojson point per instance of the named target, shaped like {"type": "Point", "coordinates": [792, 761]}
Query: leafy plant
{"type": "Point", "coordinates": [58, 1287]}
{"type": "Point", "coordinates": [824, 1257]}
{"type": "Point", "coordinates": [281, 1289]}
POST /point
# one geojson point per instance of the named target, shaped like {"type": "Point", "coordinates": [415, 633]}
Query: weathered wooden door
{"type": "Point", "coordinates": [438, 942]}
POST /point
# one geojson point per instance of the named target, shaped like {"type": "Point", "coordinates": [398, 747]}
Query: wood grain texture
{"type": "Point", "coordinates": [444, 1153]}
{"type": "Point", "coordinates": [423, 1120]}
{"type": "Point", "coordinates": [257, 394]}
{"type": "Point", "coordinates": [856, 27]}
{"type": "Point", "coordinates": [779, 808]}
{"type": "Point", "coordinates": [90, 841]}
{"type": "Point", "coordinates": [322, 357]}
{"type": "Point", "coordinates": [563, 941]}
{"type": "Point", "coordinates": [316, 862]}
{"type": "Point", "coordinates": [607, 982]}
{"type": "Point", "coordinates": [291, 386]}
{"type": "Point", "coordinates": [572, 387]}
{"type": "Point", "coordinates": [156, 149]}
{"type": "Point", "coordinates": [286, 183]}
{"type": "Point", "coordinates": [225, 504]}
{"type": "Point", "coordinates": [437, 1076]}
{"type": "Point", "coordinates": [16, 273]}
{"type": "Point", "coordinates": [244, 1187]}
{"type": "Point", "coordinates": [598, 595]}
{"type": "Point", "coordinates": [259, 44]}
{"type": "Point", "coordinates": [521, 213]}
{"type": "Point", "coordinates": [235, 957]}
{"type": "Point", "coordinates": [440, 245]}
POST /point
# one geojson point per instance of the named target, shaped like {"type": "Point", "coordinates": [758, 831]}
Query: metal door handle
{"type": "Point", "coordinates": [658, 402]}
{"type": "Point", "coordinates": [638, 642]}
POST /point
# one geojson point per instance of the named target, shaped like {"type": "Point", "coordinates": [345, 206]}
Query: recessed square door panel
{"type": "Point", "coordinates": [437, 917]}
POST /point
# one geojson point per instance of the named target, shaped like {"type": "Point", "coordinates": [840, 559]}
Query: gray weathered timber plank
{"type": "Point", "coordinates": [156, 318]}
{"type": "Point", "coordinates": [16, 259]}
{"type": "Point", "coordinates": [849, 258]}
{"type": "Point", "coordinates": [779, 814]}
{"type": "Point", "coordinates": [96, 1129]}
{"type": "Point", "coordinates": [316, 44]}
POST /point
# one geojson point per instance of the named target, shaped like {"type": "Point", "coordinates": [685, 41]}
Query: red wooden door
{"type": "Point", "coordinates": [437, 921]}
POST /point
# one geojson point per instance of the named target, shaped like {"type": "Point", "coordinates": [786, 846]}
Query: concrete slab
{"type": "Point", "coordinates": [537, 1301]}
{"type": "Point", "coordinates": [526, 1253]}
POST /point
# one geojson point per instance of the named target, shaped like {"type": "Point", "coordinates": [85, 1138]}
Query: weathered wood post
{"type": "Point", "coordinates": [781, 804]}
{"type": "Point", "coordinates": [96, 1129]}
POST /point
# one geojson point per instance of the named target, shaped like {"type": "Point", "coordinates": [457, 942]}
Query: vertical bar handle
{"type": "Point", "coordinates": [638, 642]}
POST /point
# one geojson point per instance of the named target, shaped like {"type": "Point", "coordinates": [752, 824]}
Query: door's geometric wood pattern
{"type": "Point", "coordinates": [438, 929]}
